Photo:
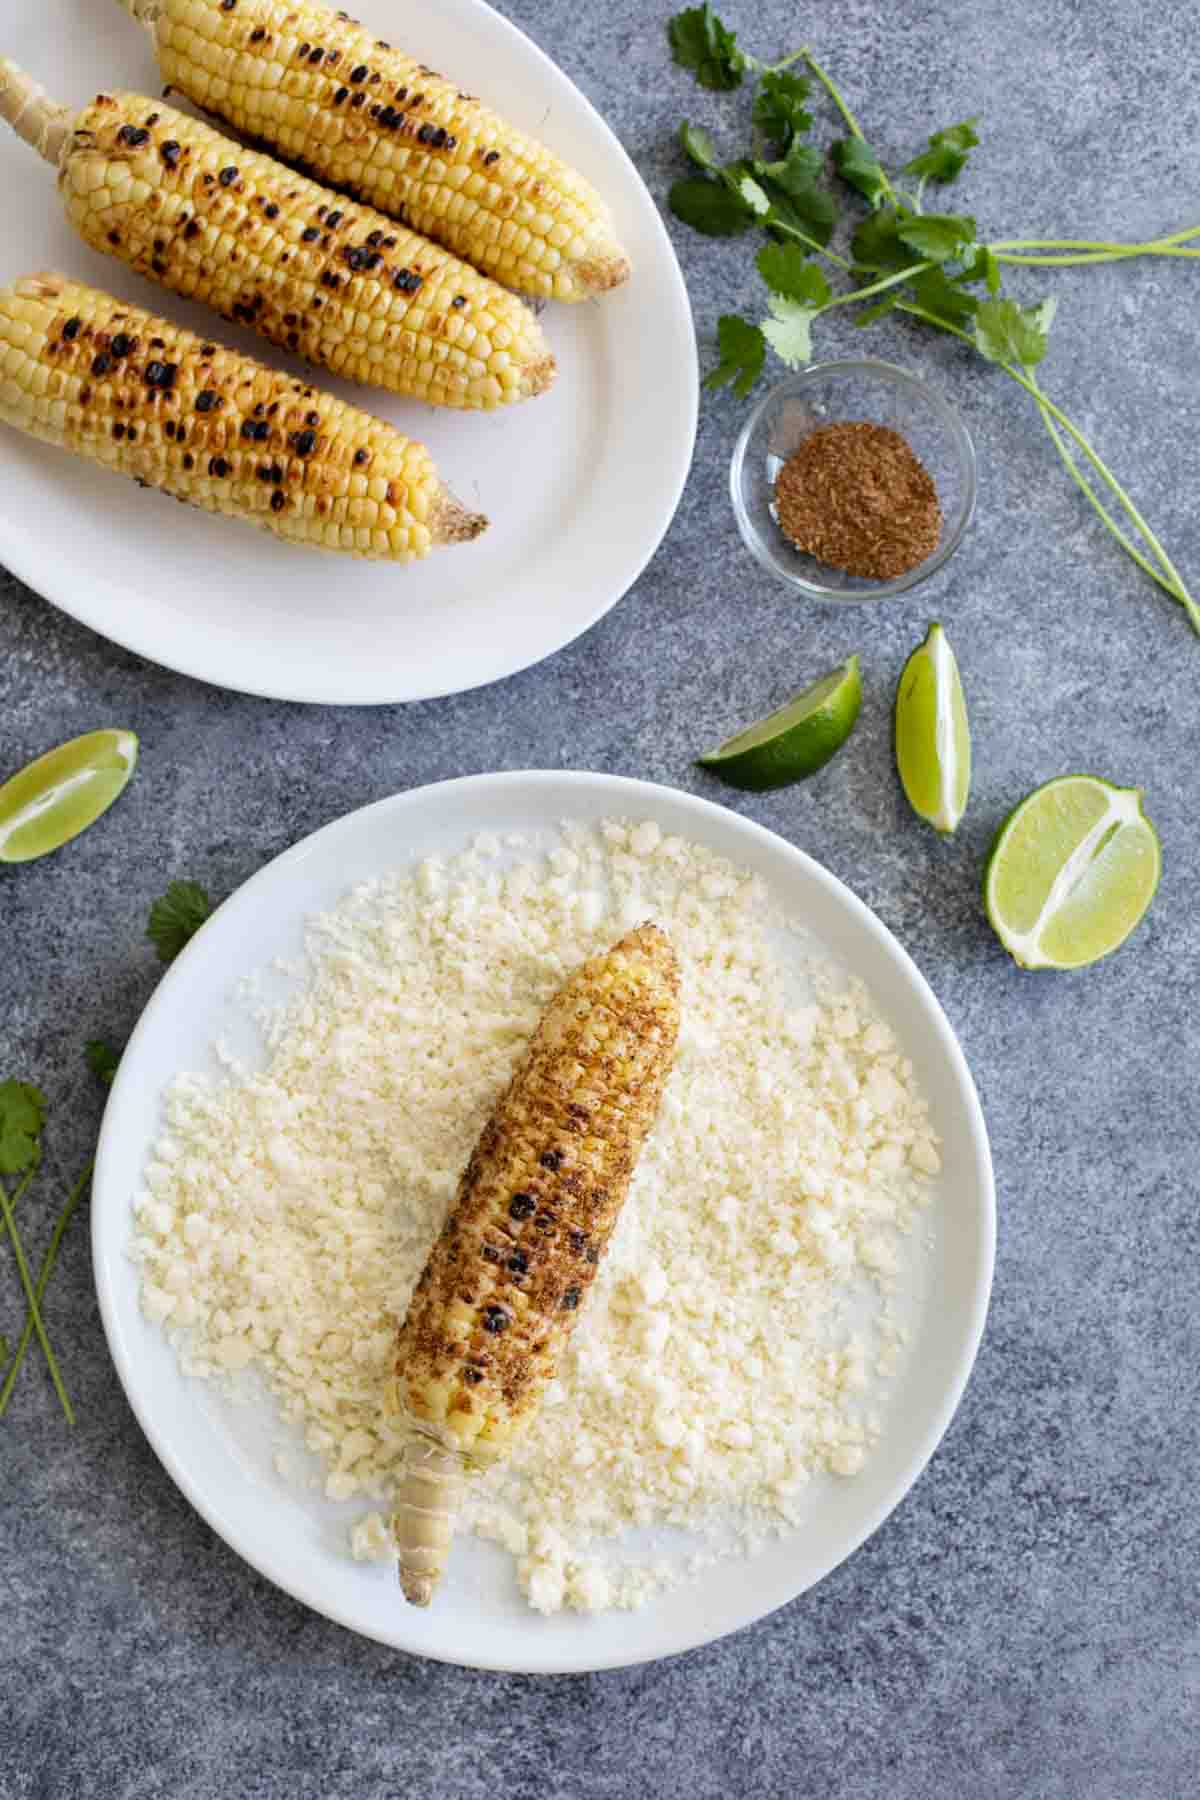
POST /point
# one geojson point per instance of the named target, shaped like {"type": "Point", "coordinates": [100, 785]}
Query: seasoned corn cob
{"type": "Point", "coordinates": [338, 284]}
{"type": "Point", "coordinates": [535, 1209]}
{"type": "Point", "coordinates": [140, 396]}
{"type": "Point", "coordinates": [330, 97]}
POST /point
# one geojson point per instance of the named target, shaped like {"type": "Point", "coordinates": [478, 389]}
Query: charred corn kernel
{"type": "Point", "coordinates": [328, 95]}
{"type": "Point", "coordinates": [338, 284]}
{"type": "Point", "coordinates": [144, 398]}
{"type": "Point", "coordinates": [536, 1206]}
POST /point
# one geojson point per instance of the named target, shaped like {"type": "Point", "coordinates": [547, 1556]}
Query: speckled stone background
{"type": "Point", "coordinates": [1026, 1624]}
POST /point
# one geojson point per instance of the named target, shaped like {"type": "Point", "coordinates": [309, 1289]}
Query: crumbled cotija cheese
{"type": "Point", "coordinates": [725, 1355]}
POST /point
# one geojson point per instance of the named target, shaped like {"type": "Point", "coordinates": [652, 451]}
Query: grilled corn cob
{"type": "Point", "coordinates": [330, 97]}
{"type": "Point", "coordinates": [142, 397]}
{"type": "Point", "coordinates": [535, 1209]}
{"type": "Point", "coordinates": [337, 284]}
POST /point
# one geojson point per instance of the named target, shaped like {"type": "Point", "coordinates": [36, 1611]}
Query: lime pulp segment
{"type": "Point", "coordinates": [52, 800]}
{"type": "Point", "coordinates": [1072, 871]}
{"type": "Point", "coordinates": [933, 738]}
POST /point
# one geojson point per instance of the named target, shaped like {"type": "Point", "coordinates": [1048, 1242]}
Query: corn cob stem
{"type": "Point", "coordinates": [428, 1498]}
{"type": "Point", "coordinates": [32, 114]}
{"type": "Point", "coordinates": [536, 1207]}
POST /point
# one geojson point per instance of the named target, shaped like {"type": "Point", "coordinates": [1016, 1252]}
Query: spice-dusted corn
{"type": "Point", "coordinates": [144, 398]}
{"type": "Point", "coordinates": [338, 284]}
{"type": "Point", "coordinates": [502, 1289]}
{"type": "Point", "coordinates": [331, 97]}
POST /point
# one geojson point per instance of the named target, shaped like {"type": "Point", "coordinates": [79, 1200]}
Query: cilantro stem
{"type": "Point", "coordinates": [1122, 253]}
{"type": "Point", "coordinates": [810, 243]}
{"type": "Point", "coordinates": [1174, 584]}
{"type": "Point", "coordinates": [1170, 580]}
{"type": "Point", "coordinates": [831, 88]}
{"type": "Point", "coordinates": [774, 68]}
{"type": "Point", "coordinates": [44, 1273]}
{"type": "Point", "coordinates": [827, 82]}
{"type": "Point", "coordinates": [1066, 252]}
{"type": "Point", "coordinates": [1159, 245]}
{"type": "Point", "coordinates": [1093, 499]}
{"type": "Point", "coordinates": [6, 1206]}
{"type": "Point", "coordinates": [881, 286]}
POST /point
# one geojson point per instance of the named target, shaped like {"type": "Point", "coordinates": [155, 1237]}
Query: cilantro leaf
{"type": "Point", "coordinates": [1008, 333]}
{"type": "Point", "coordinates": [699, 147]}
{"type": "Point", "coordinates": [946, 156]}
{"type": "Point", "coordinates": [710, 206]}
{"type": "Point", "coordinates": [751, 192]}
{"type": "Point", "coordinates": [790, 187]}
{"type": "Point", "coordinates": [856, 162]}
{"type": "Point", "coordinates": [176, 917]}
{"type": "Point", "coordinates": [743, 353]}
{"type": "Point", "coordinates": [796, 172]}
{"type": "Point", "coordinates": [22, 1112]}
{"type": "Point", "coordinates": [877, 243]}
{"type": "Point", "coordinates": [984, 266]}
{"type": "Point", "coordinates": [798, 292]}
{"type": "Point", "coordinates": [778, 109]}
{"type": "Point", "coordinates": [880, 309]}
{"type": "Point", "coordinates": [102, 1059]}
{"type": "Point", "coordinates": [809, 211]}
{"type": "Point", "coordinates": [789, 330]}
{"type": "Point", "coordinates": [701, 43]}
{"type": "Point", "coordinates": [947, 299]}
{"type": "Point", "coordinates": [940, 236]}
{"type": "Point", "coordinates": [788, 273]}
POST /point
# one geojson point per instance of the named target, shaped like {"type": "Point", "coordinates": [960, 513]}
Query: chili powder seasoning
{"type": "Point", "coordinates": [857, 497]}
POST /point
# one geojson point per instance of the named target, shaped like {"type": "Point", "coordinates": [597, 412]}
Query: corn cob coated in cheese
{"type": "Point", "coordinates": [336, 283]}
{"type": "Point", "coordinates": [536, 1207]}
{"type": "Point", "coordinates": [146, 399]}
{"type": "Point", "coordinates": [330, 97]}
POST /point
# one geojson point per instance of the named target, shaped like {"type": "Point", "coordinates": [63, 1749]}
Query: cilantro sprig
{"type": "Point", "coordinates": [22, 1116]}
{"type": "Point", "coordinates": [173, 921]}
{"type": "Point", "coordinates": [176, 917]}
{"type": "Point", "coordinates": [903, 258]}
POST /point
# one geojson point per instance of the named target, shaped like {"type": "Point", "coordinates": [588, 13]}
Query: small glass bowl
{"type": "Point", "coordinates": [825, 394]}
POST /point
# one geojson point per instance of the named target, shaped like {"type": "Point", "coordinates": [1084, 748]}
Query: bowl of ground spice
{"type": "Point", "coordinates": [853, 480]}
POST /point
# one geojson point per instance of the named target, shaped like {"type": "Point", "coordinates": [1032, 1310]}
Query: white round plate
{"type": "Point", "coordinates": [220, 1455]}
{"type": "Point", "coordinates": [580, 484]}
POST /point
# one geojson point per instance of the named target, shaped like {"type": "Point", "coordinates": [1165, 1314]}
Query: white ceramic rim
{"type": "Point", "coordinates": [24, 551]}
{"type": "Point", "coordinates": [627, 796]}
{"type": "Point", "coordinates": [957, 431]}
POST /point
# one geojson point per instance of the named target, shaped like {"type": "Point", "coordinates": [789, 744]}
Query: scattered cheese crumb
{"type": "Point", "coordinates": [371, 1539]}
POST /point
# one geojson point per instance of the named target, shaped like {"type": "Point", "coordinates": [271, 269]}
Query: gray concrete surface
{"type": "Point", "coordinates": [1026, 1623]}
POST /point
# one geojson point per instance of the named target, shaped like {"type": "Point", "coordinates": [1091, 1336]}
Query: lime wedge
{"type": "Point", "coordinates": [794, 741]}
{"type": "Point", "coordinates": [63, 792]}
{"type": "Point", "coordinates": [1071, 872]}
{"type": "Point", "coordinates": [933, 740]}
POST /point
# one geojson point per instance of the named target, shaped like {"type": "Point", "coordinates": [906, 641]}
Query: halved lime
{"type": "Point", "coordinates": [933, 740]}
{"type": "Point", "coordinates": [55, 798]}
{"type": "Point", "coordinates": [794, 741]}
{"type": "Point", "coordinates": [1071, 872]}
